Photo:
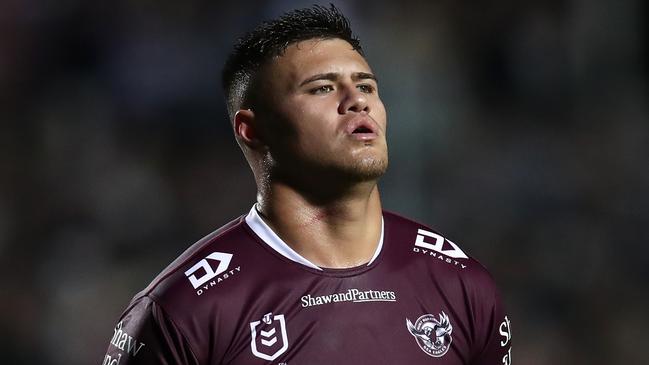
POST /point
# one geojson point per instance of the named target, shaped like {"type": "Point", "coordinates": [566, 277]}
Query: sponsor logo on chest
{"type": "Point", "coordinates": [351, 295]}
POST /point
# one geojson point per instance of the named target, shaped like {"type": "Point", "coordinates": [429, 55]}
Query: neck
{"type": "Point", "coordinates": [338, 232]}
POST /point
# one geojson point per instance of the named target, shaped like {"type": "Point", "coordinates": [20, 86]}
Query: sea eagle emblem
{"type": "Point", "coordinates": [433, 335]}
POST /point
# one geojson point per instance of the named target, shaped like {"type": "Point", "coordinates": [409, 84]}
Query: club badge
{"type": "Point", "coordinates": [432, 335]}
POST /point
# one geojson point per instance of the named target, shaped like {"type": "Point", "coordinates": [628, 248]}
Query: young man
{"type": "Point", "coordinates": [316, 272]}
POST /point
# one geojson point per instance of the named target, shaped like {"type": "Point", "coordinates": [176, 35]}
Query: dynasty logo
{"type": "Point", "coordinates": [210, 277]}
{"type": "Point", "coordinates": [443, 249]}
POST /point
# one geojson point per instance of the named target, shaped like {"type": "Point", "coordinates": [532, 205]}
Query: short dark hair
{"type": "Point", "coordinates": [271, 38]}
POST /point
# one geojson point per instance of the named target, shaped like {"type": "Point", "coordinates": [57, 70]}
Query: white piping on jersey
{"type": "Point", "coordinates": [257, 224]}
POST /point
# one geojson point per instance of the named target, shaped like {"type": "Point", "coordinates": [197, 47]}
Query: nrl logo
{"type": "Point", "coordinates": [433, 335]}
{"type": "Point", "coordinates": [271, 340]}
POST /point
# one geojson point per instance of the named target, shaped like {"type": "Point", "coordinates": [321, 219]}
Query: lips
{"type": "Point", "coordinates": [363, 128]}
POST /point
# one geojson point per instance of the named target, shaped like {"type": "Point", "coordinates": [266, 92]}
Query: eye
{"type": "Point", "coordinates": [322, 89]}
{"type": "Point", "coordinates": [366, 88]}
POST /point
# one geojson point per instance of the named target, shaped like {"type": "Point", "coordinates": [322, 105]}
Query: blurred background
{"type": "Point", "coordinates": [518, 129]}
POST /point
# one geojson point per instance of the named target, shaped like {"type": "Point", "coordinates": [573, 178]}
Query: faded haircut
{"type": "Point", "coordinates": [270, 39]}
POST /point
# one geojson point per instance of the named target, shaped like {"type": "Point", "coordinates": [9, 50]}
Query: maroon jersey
{"type": "Point", "coordinates": [242, 296]}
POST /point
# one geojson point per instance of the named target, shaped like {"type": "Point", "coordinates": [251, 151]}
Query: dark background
{"type": "Point", "coordinates": [519, 129]}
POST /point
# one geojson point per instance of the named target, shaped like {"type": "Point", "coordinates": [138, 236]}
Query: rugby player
{"type": "Point", "coordinates": [316, 272]}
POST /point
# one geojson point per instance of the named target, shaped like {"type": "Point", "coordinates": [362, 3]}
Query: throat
{"type": "Point", "coordinates": [339, 236]}
{"type": "Point", "coordinates": [340, 252]}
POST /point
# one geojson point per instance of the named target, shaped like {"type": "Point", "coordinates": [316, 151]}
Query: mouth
{"type": "Point", "coordinates": [363, 128]}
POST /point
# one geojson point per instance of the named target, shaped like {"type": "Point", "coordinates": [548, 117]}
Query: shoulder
{"type": "Point", "coordinates": [188, 291]}
{"type": "Point", "coordinates": [209, 259]}
{"type": "Point", "coordinates": [426, 248]}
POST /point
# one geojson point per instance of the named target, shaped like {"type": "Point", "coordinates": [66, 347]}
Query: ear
{"type": "Point", "coordinates": [246, 128]}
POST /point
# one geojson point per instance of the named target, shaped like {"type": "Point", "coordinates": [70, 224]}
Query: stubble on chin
{"type": "Point", "coordinates": [367, 169]}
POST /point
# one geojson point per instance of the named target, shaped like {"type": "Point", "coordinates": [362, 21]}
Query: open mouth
{"type": "Point", "coordinates": [362, 129]}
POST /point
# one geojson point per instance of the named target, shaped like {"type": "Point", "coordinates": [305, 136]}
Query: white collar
{"type": "Point", "coordinates": [257, 224]}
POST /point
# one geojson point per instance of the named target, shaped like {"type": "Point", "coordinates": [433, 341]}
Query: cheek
{"type": "Point", "coordinates": [379, 114]}
{"type": "Point", "coordinates": [314, 116]}
{"type": "Point", "coordinates": [300, 125]}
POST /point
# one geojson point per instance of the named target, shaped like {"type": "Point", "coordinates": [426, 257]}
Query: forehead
{"type": "Point", "coordinates": [306, 58]}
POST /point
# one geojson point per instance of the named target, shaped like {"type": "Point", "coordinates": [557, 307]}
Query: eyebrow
{"type": "Point", "coordinates": [333, 76]}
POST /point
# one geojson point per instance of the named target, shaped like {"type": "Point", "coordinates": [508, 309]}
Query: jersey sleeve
{"type": "Point", "coordinates": [494, 327]}
{"type": "Point", "coordinates": [145, 335]}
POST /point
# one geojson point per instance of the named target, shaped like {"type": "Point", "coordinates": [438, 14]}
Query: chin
{"type": "Point", "coordinates": [368, 169]}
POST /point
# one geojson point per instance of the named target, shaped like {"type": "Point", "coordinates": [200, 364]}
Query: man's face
{"type": "Point", "coordinates": [322, 112]}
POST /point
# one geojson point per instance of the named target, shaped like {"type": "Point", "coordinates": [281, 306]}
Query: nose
{"type": "Point", "coordinates": [353, 100]}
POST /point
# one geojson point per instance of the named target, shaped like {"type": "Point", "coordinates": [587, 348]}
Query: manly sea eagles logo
{"type": "Point", "coordinates": [269, 339]}
{"type": "Point", "coordinates": [433, 335]}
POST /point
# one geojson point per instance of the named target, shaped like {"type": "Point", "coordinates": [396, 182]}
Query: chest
{"type": "Point", "coordinates": [347, 321]}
